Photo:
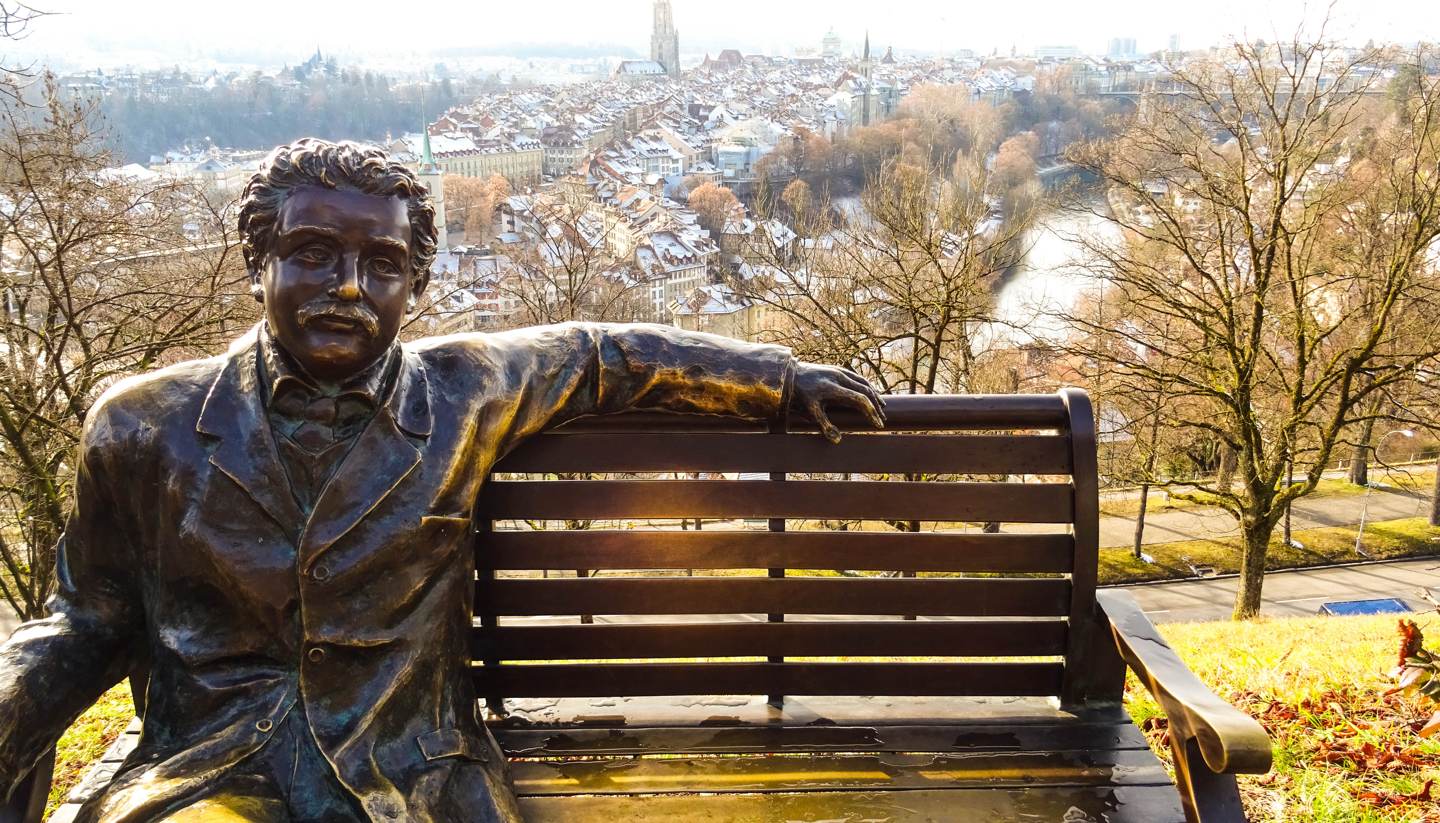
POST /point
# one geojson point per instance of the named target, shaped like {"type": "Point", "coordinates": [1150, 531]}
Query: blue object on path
{"type": "Point", "coordinates": [1383, 605]}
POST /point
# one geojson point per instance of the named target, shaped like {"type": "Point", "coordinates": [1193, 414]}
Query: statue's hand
{"type": "Point", "coordinates": [818, 387]}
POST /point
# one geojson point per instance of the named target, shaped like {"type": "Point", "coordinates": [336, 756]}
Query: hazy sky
{"type": "Point", "coordinates": [185, 30]}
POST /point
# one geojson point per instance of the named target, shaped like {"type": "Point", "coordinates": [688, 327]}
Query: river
{"type": "Point", "coordinates": [1051, 278]}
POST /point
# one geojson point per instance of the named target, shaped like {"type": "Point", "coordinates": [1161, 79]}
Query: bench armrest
{"type": "Point", "coordinates": [1230, 741]}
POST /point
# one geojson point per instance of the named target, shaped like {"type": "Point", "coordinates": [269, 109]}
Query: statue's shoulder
{"type": "Point", "coordinates": [491, 345]}
{"type": "Point", "coordinates": [155, 399]}
{"type": "Point", "coordinates": [501, 343]}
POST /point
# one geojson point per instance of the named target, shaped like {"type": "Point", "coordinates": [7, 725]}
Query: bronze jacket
{"type": "Point", "coordinates": [186, 553]}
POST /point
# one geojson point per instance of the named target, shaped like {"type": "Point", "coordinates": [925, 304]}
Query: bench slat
{"type": "Point", "coordinates": [1122, 804]}
{"type": "Point", "coordinates": [727, 452]}
{"type": "Point", "coordinates": [828, 772]}
{"type": "Point", "coordinates": [579, 741]}
{"type": "Point", "coordinates": [883, 711]}
{"type": "Point", "coordinates": [834, 499]}
{"type": "Point", "coordinates": [870, 551]}
{"type": "Point", "coordinates": [903, 412]}
{"type": "Point", "coordinates": [899, 679]}
{"type": "Point", "coordinates": [955, 597]}
{"type": "Point", "coordinates": [850, 639]}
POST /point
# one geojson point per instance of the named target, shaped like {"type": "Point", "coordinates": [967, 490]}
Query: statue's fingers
{"type": "Point", "coordinates": [876, 400]}
{"type": "Point", "coordinates": [873, 405]}
{"type": "Point", "coordinates": [868, 405]}
{"type": "Point", "coordinates": [861, 402]}
{"type": "Point", "coordinates": [817, 412]}
{"type": "Point", "coordinates": [854, 382]}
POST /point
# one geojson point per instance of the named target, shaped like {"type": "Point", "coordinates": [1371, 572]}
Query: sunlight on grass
{"type": "Point", "coordinates": [87, 739]}
{"type": "Point", "coordinates": [1344, 751]}
{"type": "Point", "coordinates": [1386, 540]}
{"type": "Point", "coordinates": [1398, 478]}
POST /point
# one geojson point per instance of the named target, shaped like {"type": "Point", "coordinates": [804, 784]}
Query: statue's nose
{"type": "Point", "coordinates": [347, 279]}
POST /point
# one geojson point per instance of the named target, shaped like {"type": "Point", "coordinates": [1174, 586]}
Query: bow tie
{"type": "Point", "coordinates": [317, 421]}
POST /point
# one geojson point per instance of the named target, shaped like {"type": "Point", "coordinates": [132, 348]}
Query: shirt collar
{"type": "Point", "coordinates": [279, 372]}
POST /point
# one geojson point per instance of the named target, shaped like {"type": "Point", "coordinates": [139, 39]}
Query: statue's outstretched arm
{"type": "Point", "coordinates": [577, 369]}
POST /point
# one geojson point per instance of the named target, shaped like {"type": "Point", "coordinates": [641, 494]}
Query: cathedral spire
{"type": "Point", "coordinates": [434, 179]}
{"type": "Point", "coordinates": [665, 39]}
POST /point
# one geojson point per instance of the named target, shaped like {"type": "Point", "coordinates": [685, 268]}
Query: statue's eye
{"type": "Point", "coordinates": [384, 267]}
{"type": "Point", "coordinates": [314, 253]}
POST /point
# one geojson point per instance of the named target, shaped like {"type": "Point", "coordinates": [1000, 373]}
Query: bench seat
{"type": "Point", "coordinates": [830, 759]}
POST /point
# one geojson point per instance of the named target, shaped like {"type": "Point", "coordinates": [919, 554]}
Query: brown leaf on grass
{"type": "Point", "coordinates": [1383, 798]}
{"type": "Point", "coordinates": [1411, 640]}
{"type": "Point", "coordinates": [1389, 755]}
{"type": "Point", "coordinates": [1431, 727]}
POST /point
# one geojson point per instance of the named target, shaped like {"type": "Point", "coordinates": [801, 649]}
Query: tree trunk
{"type": "Point", "coordinates": [1435, 498]}
{"type": "Point", "coordinates": [1359, 461]}
{"type": "Point", "coordinates": [1140, 518]}
{"type": "Point", "coordinates": [586, 619]}
{"type": "Point", "coordinates": [1226, 475]}
{"type": "Point", "coordinates": [1256, 537]}
{"type": "Point", "coordinates": [1289, 481]}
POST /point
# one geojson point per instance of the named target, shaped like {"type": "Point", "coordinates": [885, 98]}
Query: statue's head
{"type": "Point", "coordinates": [338, 239]}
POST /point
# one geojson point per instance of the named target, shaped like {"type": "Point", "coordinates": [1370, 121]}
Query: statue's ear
{"type": "Point", "coordinates": [418, 284]}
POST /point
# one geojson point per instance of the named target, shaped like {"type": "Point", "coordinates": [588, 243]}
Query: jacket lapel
{"type": "Point", "coordinates": [382, 457]}
{"type": "Point", "coordinates": [246, 451]}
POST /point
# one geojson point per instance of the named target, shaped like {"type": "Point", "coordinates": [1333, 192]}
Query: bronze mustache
{"type": "Point", "coordinates": [346, 311]}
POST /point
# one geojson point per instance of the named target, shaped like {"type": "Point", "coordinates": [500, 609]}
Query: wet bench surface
{"type": "Point", "coordinates": [817, 760]}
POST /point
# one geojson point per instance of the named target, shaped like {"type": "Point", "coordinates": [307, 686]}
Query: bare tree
{"type": "Point", "coordinates": [901, 287]}
{"type": "Point", "coordinates": [1240, 268]}
{"type": "Point", "coordinates": [15, 21]}
{"type": "Point", "coordinates": [104, 276]}
{"type": "Point", "coordinates": [570, 268]}
{"type": "Point", "coordinates": [470, 204]}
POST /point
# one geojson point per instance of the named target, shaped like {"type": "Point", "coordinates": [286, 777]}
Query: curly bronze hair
{"type": "Point", "coordinates": [349, 165]}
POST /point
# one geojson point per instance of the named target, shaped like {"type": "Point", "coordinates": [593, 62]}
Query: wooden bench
{"type": "Point", "coordinates": [870, 687]}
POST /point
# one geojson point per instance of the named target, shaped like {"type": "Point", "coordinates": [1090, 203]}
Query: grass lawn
{"type": "Point", "coordinates": [1344, 751]}
{"type": "Point", "coordinates": [87, 739]}
{"type": "Point", "coordinates": [1385, 540]}
{"type": "Point", "coordinates": [1405, 478]}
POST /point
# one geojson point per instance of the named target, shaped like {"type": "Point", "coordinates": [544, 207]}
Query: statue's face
{"type": "Point", "coordinates": [338, 282]}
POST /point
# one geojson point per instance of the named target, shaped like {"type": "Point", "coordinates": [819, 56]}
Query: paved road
{"type": "Point", "coordinates": [1292, 593]}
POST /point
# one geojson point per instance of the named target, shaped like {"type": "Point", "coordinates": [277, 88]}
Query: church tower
{"type": "Point", "coordinates": [434, 180]}
{"type": "Point", "coordinates": [867, 69]}
{"type": "Point", "coordinates": [665, 40]}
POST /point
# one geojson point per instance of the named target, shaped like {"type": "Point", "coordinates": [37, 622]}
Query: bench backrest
{"type": "Point", "coordinates": [608, 548]}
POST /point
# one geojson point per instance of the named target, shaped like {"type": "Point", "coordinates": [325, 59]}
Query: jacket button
{"type": "Point", "coordinates": [316, 655]}
{"type": "Point", "coordinates": [264, 726]}
{"type": "Point", "coordinates": [321, 573]}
